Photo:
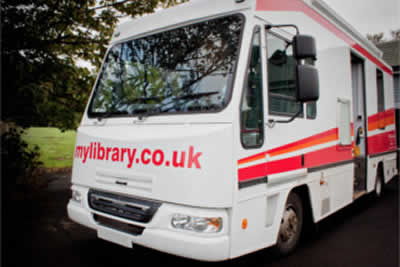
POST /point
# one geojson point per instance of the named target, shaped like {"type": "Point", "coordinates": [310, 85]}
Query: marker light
{"type": "Point", "coordinates": [244, 224]}
{"type": "Point", "coordinates": [196, 224]}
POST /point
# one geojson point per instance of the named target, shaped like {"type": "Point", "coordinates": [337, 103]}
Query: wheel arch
{"type": "Point", "coordinates": [304, 193]}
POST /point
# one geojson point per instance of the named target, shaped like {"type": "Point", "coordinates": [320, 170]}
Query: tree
{"type": "Point", "coordinates": [395, 34]}
{"type": "Point", "coordinates": [42, 42]}
{"type": "Point", "coordinates": [376, 38]}
{"type": "Point", "coordinates": [42, 84]}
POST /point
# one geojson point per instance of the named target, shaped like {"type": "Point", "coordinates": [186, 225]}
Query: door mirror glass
{"type": "Point", "coordinates": [304, 47]}
{"type": "Point", "coordinates": [307, 83]}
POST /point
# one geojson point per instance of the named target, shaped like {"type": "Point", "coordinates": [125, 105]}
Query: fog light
{"type": "Point", "coordinates": [196, 224]}
{"type": "Point", "coordinates": [76, 196]}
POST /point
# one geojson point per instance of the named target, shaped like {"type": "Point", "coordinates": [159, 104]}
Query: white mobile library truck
{"type": "Point", "coordinates": [218, 128]}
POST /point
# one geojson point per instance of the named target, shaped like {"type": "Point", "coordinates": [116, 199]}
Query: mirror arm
{"type": "Point", "coordinates": [272, 122]}
{"type": "Point", "coordinates": [268, 27]}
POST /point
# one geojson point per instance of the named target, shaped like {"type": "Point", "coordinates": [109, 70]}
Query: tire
{"type": "Point", "coordinates": [291, 226]}
{"type": "Point", "coordinates": [379, 183]}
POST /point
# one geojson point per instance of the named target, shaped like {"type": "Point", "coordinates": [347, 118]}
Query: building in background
{"type": "Point", "coordinates": [391, 54]}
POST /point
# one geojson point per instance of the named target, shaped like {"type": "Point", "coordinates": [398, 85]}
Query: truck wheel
{"type": "Point", "coordinates": [379, 183]}
{"type": "Point", "coordinates": [291, 225]}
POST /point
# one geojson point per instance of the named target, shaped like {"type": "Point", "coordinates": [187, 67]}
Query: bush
{"type": "Point", "coordinates": [18, 160]}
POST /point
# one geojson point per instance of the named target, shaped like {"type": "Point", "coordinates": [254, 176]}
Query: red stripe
{"type": "Point", "coordinates": [312, 159]}
{"type": "Point", "coordinates": [284, 165]}
{"type": "Point", "coordinates": [272, 167]}
{"type": "Point", "coordinates": [371, 119]}
{"type": "Point", "coordinates": [252, 172]}
{"type": "Point", "coordinates": [298, 5]}
{"type": "Point", "coordinates": [376, 144]}
{"type": "Point", "coordinates": [381, 143]}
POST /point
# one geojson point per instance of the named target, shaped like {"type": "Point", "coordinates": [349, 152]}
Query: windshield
{"type": "Point", "coordinates": [189, 69]}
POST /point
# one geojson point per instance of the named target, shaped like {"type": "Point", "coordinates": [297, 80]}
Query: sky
{"type": "Point", "coordinates": [369, 16]}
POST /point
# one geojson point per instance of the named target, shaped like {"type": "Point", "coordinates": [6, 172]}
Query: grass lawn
{"type": "Point", "coordinates": [56, 147]}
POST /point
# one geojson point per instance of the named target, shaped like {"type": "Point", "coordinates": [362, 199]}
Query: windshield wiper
{"type": "Point", "coordinates": [113, 112]}
{"type": "Point", "coordinates": [198, 95]}
{"type": "Point", "coordinates": [158, 110]}
{"type": "Point", "coordinates": [110, 114]}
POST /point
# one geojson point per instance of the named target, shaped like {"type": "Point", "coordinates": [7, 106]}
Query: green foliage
{"type": "Point", "coordinates": [43, 40]}
{"type": "Point", "coordinates": [18, 160]}
{"type": "Point", "coordinates": [56, 147]}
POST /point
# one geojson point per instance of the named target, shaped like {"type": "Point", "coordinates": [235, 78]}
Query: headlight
{"type": "Point", "coordinates": [76, 196]}
{"type": "Point", "coordinates": [196, 224]}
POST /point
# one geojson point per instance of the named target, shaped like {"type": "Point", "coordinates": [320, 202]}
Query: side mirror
{"type": "Point", "coordinates": [304, 47]}
{"type": "Point", "coordinates": [307, 83]}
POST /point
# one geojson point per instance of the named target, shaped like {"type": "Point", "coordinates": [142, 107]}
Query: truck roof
{"type": "Point", "coordinates": [195, 10]}
{"type": "Point", "coordinates": [184, 13]}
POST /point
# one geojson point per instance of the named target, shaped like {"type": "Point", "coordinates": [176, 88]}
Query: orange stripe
{"type": "Point", "coordinates": [311, 143]}
{"type": "Point", "coordinates": [251, 159]}
{"type": "Point", "coordinates": [318, 141]}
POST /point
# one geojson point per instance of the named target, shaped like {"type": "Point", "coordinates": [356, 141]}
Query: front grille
{"type": "Point", "coordinates": [138, 210]}
{"type": "Point", "coordinates": [117, 225]}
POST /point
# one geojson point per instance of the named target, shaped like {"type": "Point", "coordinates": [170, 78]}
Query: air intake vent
{"type": "Point", "coordinates": [120, 226]}
{"type": "Point", "coordinates": [138, 210]}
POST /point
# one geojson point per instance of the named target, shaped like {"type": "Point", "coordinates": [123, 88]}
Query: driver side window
{"type": "Point", "coordinates": [251, 115]}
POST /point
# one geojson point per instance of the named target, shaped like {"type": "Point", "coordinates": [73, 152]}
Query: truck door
{"type": "Point", "coordinates": [359, 125]}
{"type": "Point", "coordinates": [252, 118]}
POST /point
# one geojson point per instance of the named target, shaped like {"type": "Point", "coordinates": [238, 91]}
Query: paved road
{"type": "Point", "coordinates": [38, 233]}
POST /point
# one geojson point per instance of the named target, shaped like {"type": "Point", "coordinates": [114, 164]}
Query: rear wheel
{"type": "Point", "coordinates": [291, 225]}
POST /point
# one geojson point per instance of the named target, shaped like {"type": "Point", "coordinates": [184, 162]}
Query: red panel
{"type": "Point", "coordinates": [328, 156]}
{"type": "Point", "coordinates": [382, 143]}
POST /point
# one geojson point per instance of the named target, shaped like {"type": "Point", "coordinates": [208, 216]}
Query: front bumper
{"type": "Point", "coordinates": [158, 233]}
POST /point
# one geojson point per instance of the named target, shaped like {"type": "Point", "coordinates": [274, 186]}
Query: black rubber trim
{"type": "Point", "coordinates": [328, 166]}
{"type": "Point", "coordinates": [382, 154]}
{"type": "Point", "coordinates": [252, 182]}
{"type": "Point", "coordinates": [117, 225]}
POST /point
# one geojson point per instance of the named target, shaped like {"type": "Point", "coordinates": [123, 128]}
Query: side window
{"type": "Point", "coordinates": [281, 77]}
{"type": "Point", "coordinates": [380, 98]}
{"type": "Point", "coordinates": [251, 113]}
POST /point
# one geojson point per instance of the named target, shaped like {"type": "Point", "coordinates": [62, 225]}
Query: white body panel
{"type": "Point", "coordinates": [146, 175]}
{"type": "Point", "coordinates": [219, 177]}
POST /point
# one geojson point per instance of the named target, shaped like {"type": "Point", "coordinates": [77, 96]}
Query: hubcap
{"type": "Point", "coordinates": [289, 225]}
